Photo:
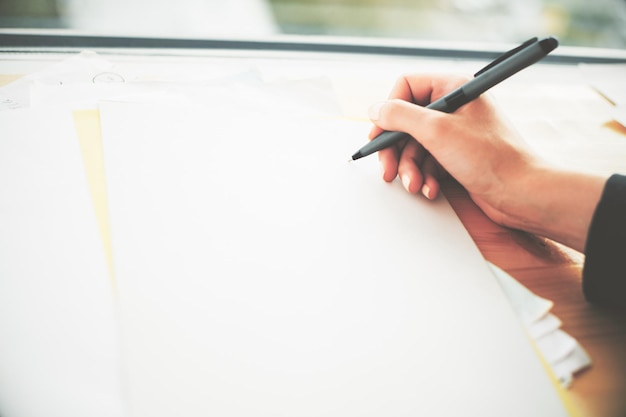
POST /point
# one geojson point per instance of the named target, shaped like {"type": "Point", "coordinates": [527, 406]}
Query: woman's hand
{"type": "Point", "coordinates": [485, 154]}
{"type": "Point", "coordinates": [474, 145]}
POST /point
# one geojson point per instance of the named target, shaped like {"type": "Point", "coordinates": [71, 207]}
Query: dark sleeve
{"type": "Point", "coordinates": [604, 272]}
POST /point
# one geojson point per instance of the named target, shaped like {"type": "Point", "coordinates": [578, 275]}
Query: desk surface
{"type": "Point", "coordinates": [569, 123]}
{"type": "Point", "coordinates": [546, 268]}
{"type": "Point", "coordinates": [554, 272]}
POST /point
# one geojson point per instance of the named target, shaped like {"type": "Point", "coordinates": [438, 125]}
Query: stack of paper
{"type": "Point", "coordinates": [562, 352]}
{"type": "Point", "coordinates": [257, 272]}
{"type": "Point", "coordinates": [58, 323]}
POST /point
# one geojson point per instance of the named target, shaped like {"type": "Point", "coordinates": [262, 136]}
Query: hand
{"type": "Point", "coordinates": [475, 145]}
{"type": "Point", "coordinates": [486, 155]}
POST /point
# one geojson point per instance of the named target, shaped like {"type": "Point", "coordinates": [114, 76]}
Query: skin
{"type": "Point", "coordinates": [479, 148]}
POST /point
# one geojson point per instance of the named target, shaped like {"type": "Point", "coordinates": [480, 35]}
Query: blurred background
{"type": "Point", "coordinates": [597, 23]}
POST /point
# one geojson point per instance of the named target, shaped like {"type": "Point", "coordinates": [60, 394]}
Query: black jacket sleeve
{"type": "Point", "coordinates": [604, 272]}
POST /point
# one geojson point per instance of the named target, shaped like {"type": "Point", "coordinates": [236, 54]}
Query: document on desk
{"type": "Point", "coordinates": [608, 80]}
{"type": "Point", "coordinates": [59, 353]}
{"type": "Point", "coordinates": [261, 274]}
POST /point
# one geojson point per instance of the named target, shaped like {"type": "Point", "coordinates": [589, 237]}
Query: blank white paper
{"type": "Point", "coordinates": [262, 274]}
{"type": "Point", "coordinates": [59, 350]}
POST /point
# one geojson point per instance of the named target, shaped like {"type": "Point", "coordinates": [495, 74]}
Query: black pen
{"type": "Point", "coordinates": [499, 70]}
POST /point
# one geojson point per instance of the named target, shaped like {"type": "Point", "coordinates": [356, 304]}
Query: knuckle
{"type": "Point", "coordinates": [438, 124]}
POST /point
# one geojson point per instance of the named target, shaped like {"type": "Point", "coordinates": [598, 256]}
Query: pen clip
{"type": "Point", "coordinates": [506, 55]}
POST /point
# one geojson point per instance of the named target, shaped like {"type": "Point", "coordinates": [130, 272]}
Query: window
{"type": "Point", "coordinates": [598, 23]}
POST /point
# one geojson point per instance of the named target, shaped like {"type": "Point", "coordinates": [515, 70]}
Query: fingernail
{"type": "Point", "coordinates": [426, 191]}
{"type": "Point", "coordinates": [374, 110]}
{"type": "Point", "coordinates": [406, 181]}
{"type": "Point", "coordinates": [382, 171]}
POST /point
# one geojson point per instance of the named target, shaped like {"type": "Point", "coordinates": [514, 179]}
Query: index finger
{"type": "Point", "coordinates": [401, 90]}
{"type": "Point", "coordinates": [421, 89]}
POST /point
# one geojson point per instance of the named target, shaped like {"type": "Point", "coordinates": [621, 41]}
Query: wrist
{"type": "Point", "coordinates": [554, 203]}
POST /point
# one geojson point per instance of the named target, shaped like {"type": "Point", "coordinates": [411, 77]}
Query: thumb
{"type": "Point", "coordinates": [403, 116]}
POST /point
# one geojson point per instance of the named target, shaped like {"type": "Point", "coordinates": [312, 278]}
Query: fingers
{"type": "Point", "coordinates": [422, 89]}
{"type": "Point", "coordinates": [419, 171]}
{"type": "Point", "coordinates": [402, 116]}
{"type": "Point", "coordinates": [388, 159]}
{"type": "Point", "coordinates": [432, 172]}
{"type": "Point", "coordinates": [409, 167]}
{"type": "Point", "coordinates": [404, 112]}
{"type": "Point", "coordinates": [374, 115]}
{"type": "Point", "coordinates": [403, 159]}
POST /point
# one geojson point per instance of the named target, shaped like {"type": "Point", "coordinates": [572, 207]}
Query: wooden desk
{"type": "Point", "coordinates": [550, 270]}
{"type": "Point", "coordinates": [570, 123]}
{"type": "Point", "coordinates": [554, 272]}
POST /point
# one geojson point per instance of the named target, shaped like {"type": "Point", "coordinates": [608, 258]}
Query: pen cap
{"type": "Point", "coordinates": [513, 63]}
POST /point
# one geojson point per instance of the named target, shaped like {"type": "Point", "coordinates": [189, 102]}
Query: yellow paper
{"type": "Point", "coordinates": [88, 129]}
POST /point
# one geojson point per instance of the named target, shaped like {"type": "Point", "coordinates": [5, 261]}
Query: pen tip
{"type": "Point", "coordinates": [356, 156]}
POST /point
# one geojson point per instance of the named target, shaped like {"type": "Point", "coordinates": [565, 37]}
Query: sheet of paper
{"type": "Point", "coordinates": [80, 69]}
{"type": "Point", "coordinates": [608, 80]}
{"type": "Point", "coordinates": [58, 329]}
{"type": "Point", "coordinates": [262, 274]}
{"type": "Point", "coordinates": [81, 81]}
{"type": "Point", "coordinates": [562, 353]}
{"type": "Point", "coordinates": [619, 114]}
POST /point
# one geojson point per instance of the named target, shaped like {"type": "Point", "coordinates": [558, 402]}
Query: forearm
{"type": "Point", "coordinates": [554, 203]}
